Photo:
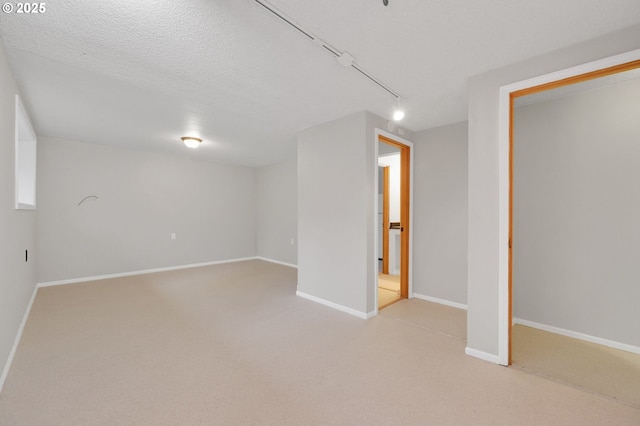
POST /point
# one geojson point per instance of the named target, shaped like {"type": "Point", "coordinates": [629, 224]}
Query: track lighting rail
{"type": "Point", "coordinates": [343, 58]}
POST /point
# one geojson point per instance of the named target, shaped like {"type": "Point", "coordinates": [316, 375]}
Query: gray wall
{"type": "Point", "coordinates": [332, 212]}
{"type": "Point", "coordinates": [577, 212]}
{"type": "Point", "coordinates": [143, 198]}
{"type": "Point", "coordinates": [337, 211]}
{"type": "Point", "coordinates": [440, 213]}
{"type": "Point", "coordinates": [277, 212]}
{"type": "Point", "coordinates": [482, 316]}
{"type": "Point", "coordinates": [18, 278]}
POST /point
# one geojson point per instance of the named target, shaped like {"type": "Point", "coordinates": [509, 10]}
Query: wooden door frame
{"type": "Point", "coordinates": [385, 220]}
{"type": "Point", "coordinates": [406, 172]}
{"type": "Point", "coordinates": [589, 71]}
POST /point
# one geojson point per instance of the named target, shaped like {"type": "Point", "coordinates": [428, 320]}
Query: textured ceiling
{"type": "Point", "coordinates": [142, 74]}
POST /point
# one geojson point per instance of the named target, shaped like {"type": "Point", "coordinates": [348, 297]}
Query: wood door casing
{"type": "Point", "coordinates": [524, 92]}
{"type": "Point", "coordinates": [405, 206]}
{"type": "Point", "coordinates": [385, 221]}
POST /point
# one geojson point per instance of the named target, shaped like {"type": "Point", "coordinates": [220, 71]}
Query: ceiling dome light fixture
{"type": "Point", "coordinates": [191, 142]}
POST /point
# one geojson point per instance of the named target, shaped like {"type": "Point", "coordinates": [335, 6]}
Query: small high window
{"type": "Point", "coordinates": [26, 149]}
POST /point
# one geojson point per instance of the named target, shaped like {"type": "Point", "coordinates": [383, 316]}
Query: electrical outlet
{"type": "Point", "coordinates": [291, 241]}
{"type": "Point", "coordinates": [173, 235]}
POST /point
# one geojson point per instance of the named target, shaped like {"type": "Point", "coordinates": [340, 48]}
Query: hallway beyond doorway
{"type": "Point", "coordinates": [388, 290]}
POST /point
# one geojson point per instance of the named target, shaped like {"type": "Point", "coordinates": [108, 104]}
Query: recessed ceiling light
{"type": "Point", "coordinates": [191, 141]}
{"type": "Point", "coordinates": [398, 112]}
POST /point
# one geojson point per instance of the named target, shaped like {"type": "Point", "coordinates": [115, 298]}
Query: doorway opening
{"type": "Point", "coordinates": [566, 201]}
{"type": "Point", "coordinates": [504, 173]}
{"type": "Point", "coordinates": [393, 228]}
{"type": "Point", "coordinates": [529, 91]}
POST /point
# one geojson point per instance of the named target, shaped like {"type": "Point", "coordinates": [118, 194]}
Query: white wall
{"type": "Point", "coordinates": [440, 210]}
{"type": "Point", "coordinates": [143, 198]}
{"type": "Point", "coordinates": [277, 212]}
{"type": "Point", "coordinates": [482, 317]}
{"type": "Point", "coordinates": [17, 278]}
{"type": "Point", "coordinates": [393, 161]}
{"type": "Point", "coordinates": [576, 239]}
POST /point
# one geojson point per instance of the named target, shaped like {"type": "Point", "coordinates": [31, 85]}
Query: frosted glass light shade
{"type": "Point", "coordinates": [191, 142]}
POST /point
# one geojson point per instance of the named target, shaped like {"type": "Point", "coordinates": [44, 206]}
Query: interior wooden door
{"type": "Point", "coordinates": [405, 203]}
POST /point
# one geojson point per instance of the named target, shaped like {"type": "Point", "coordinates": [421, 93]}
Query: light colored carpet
{"type": "Point", "coordinates": [431, 316]}
{"type": "Point", "coordinates": [596, 368]}
{"type": "Point", "coordinates": [232, 345]}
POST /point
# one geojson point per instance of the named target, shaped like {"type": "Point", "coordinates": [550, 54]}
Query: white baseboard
{"type": "Point", "coordinates": [482, 355]}
{"type": "Point", "coordinates": [142, 272]}
{"type": "Point", "coordinates": [335, 306]}
{"type": "Point", "coordinates": [579, 336]}
{"type": "Point", "coordinates": [440, 301]}
{"type": "Point", "coordinates": [16, 341]}
{"type": "Point", "coordinates": [266, 259]}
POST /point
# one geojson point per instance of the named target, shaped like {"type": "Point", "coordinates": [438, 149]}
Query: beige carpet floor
{"type": "Point", "coordinates": [232, 345]}
{"type": "Point", "coordinates": [438, 318]}
{"type": "Point", "coordinates": [593, 367]}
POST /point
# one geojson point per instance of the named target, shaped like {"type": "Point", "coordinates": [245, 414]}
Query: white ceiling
{"type": "Point", "coordinates": [142, 74]}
